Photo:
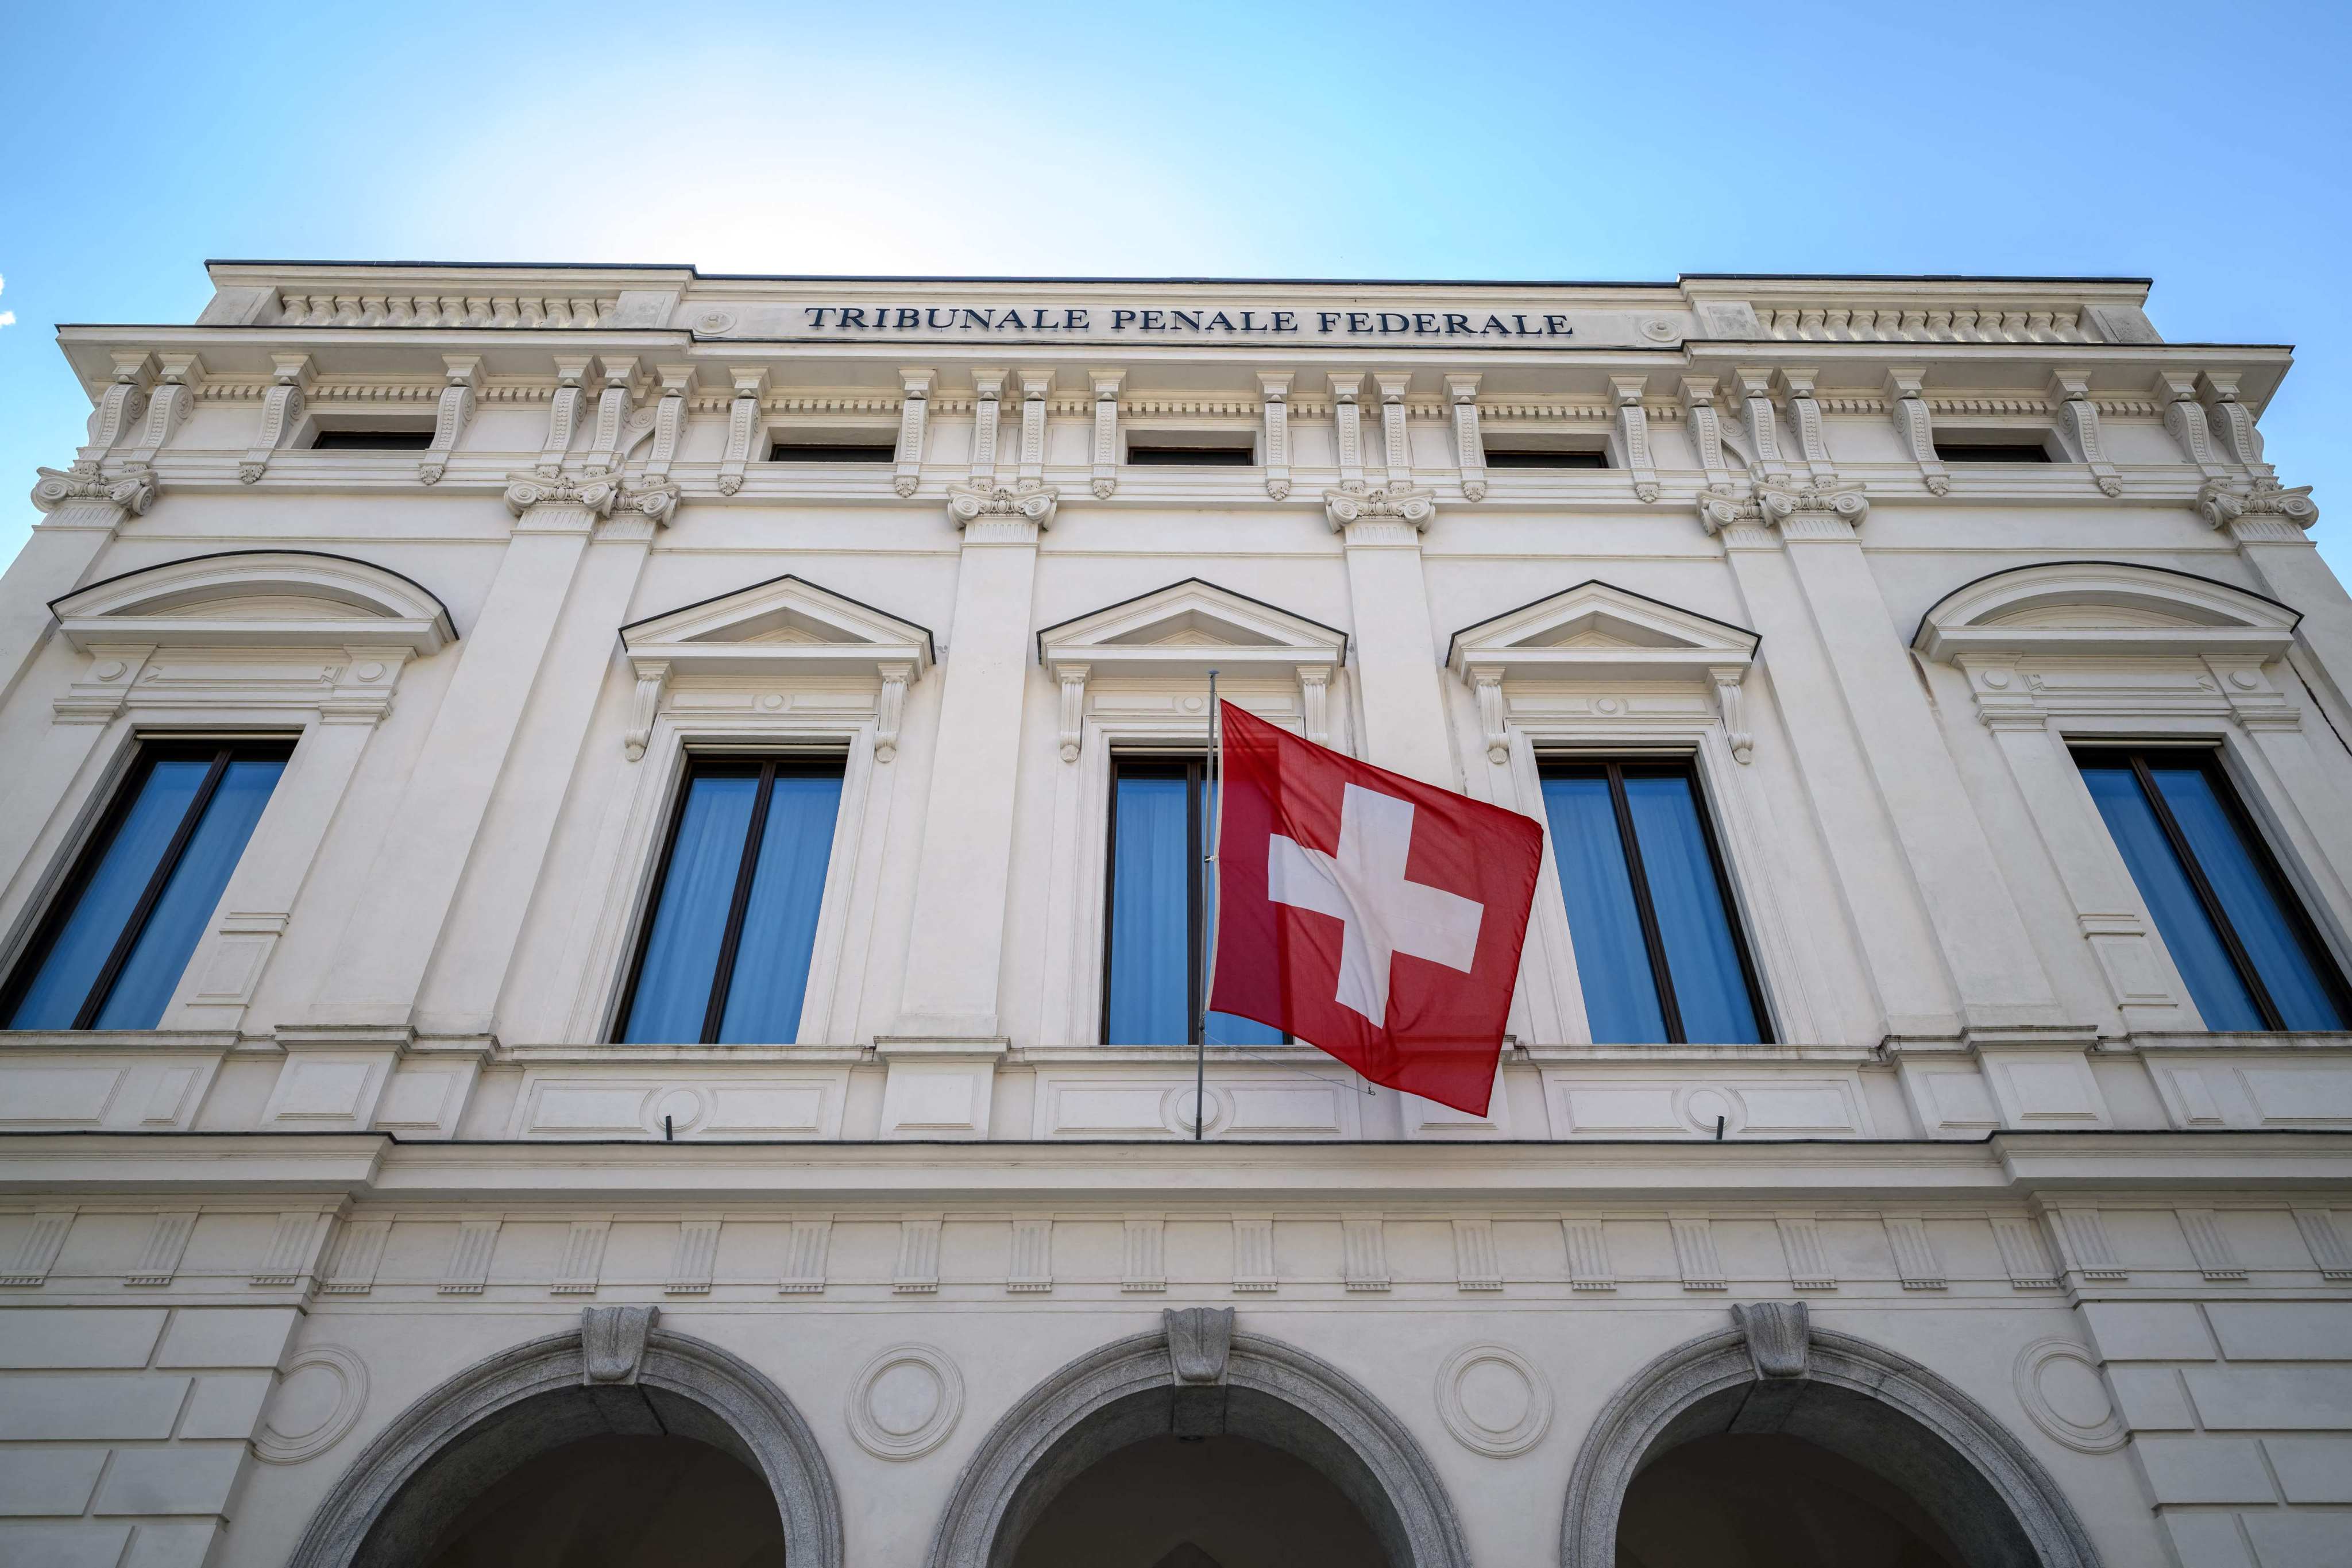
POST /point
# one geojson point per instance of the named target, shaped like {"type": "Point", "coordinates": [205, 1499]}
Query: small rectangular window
{"type": "Point", "coordinates": [1156, 945]}
{"type": "Point", "coordinates": [1658, 946]}
{"type": "Point", "coordinates": [1171, 456]}
{"type": "Point", "coordinates": [372, 440]}
{"type": "Point", "coordinates": [2010, 449]}
{"type": "Point", "coordinates": [116, 941]}
{"type": "Point", "coordinates": [833, 452]}
{"type": "Point", "coordinates": [2239, 936]}
{"type": "Point", "coordinates": [725, 955]}
{"type": "Point", "coordinates": [1545, 457]}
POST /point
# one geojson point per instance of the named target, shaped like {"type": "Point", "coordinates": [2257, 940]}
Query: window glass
{"type": "Point", "coordinates": [1702, 956]}
{"type": "Point", "coordinates": [1620, 998]}
{"type": "Point", "coordinates": [2188, 931]}
{"type": "Point", "coordinates": [690, 924]}
{"type": "Point", "coordinates": [771, 962]}
{"type": "Point", "coordinates": [132, 915]}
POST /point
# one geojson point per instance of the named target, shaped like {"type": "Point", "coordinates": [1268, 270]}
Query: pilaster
{"type": "Point", "coordinates": [1404, 707]}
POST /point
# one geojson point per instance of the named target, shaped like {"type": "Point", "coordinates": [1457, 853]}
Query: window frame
{"type": "Point", "coordinates": [67, 895]}
{"type": "Point", "coordinates": [1614, 765]}
{"type": "Point", "coordinates": [766, 767]}
{"type": "Point", "coordinates": [2267, 866]}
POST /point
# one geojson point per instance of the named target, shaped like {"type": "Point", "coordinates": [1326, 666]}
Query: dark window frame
{"type": "Point", "coordinates": [2207, 760]}
{"type": "Point", "coordinates": [69, 893]}
{"type": "Point", "coordinates": [1182, 455]}
{"type": "Point", "coordinates": [357, 439]}
{"type": "Point", "coordinates": [1645, 911]}
{"type": "Point", "coordinates": [767, 769]}
{"type": "Point", "coordinates": [846, 454]}
{"type": "Point", "coordinates": [2020, 447]}
{"type": "Point", "coordinates": [1583, 460]}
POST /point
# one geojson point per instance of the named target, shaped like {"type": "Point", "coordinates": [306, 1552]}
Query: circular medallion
{"type": "Point", "coordinates": [684, 1107]}
{"type": "Point", "coordinates": [1659, 330]}
{"type": "Point", "coordinates": [1493, 1401]}
{"type": "Point", "coordinates": [1702, 1106]}
{"type": "Point", "coordinates": [713, 322]}
{"type": "Point", "coordinates": [1176, 1110]}
{"type": "Point", "coordinates": [2059, 1385]}
{"type": "Point", "coordinates": [904, 1401]}
{"type": "Point", "coordinates": [316, 1401]}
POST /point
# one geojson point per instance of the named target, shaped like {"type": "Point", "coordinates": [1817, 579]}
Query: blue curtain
{"type": "Point", "coordinates": [1151, 913]}
{"type": "Point", "coordinates": [1621, 1000]}
{"type": "Point", "coordinates": [124, 870]}
{"type": "Point", "coordinates": [681, 958]}
{"type": "Point", "coordinates": [1702, 956]}
{"type": "Point", "coordinates": [772, 959]}
{"type": "Point", "coordinates": [2289, 971]}
{"type": "Point", "coordinates": [2197, 951]}
{"type": "Point", "coordinates": [176, 923]}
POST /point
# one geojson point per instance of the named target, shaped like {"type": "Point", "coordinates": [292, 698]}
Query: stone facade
{"type": "Point", "coordinates": [1997, 1190]}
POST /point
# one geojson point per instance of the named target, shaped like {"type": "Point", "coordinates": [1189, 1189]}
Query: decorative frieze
{"type": "Point", "coordinates": [1029, 1269]}
{"type": "Point", "coordinates": [293, 1249]}
{"type": "Point", "coordinates": [2024, 1253]}
{"type": "Point", "coordinates": [36, 1252]}
{"type": "Point", "coordinates": [2209, 1244]}
{"type": "Point", "coordinates": [1588, 1255]}
{"type": "Point", "coordinates": [496, 312]}
{"type": "Point", "coordinates": [1254, 1268]}
{"type": "Point", "coordinates": [160, 1254]}
{"type": "Point", "coordinates": [582, 1265]}
{"type": "Point", "coordinates": [1695, 1253]}
{"type": "Point", "coordinates": [1808, 1260]}
{"type": "Point", "coordinates": [917, 1270]}
{"type": "Point", "coordinates": [467, 1270]}
{"type": "Point", "coordinates": [805, 1245]}
{"type": "Point", "coordinates": [1916, 1262]}
{"type": "Point", "coordinates": [1475, 1267]}
{"type": "Point", "coordinates": [694, 1256]}
{"type": "Point", "coordinates": [2328, 1252]}
{"type": "Point", "coordinates": [1363, 1252]}
{"type": "Point", "coordinates": [357, 1252]}
{"type": "Point", "coordinates": [1143, 1269]}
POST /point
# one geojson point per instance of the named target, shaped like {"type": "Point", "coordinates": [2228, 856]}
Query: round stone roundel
{"type": "Point", "coordinates": [906, 1402]}
{"type": "Point", "coordinates": [1493, 1401]}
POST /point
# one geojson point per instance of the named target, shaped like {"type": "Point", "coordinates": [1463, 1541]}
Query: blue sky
{"type": "Point", "coordinates": [2205, 146]}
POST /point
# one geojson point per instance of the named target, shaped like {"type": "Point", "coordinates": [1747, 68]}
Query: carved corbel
{"type": "Point", "coordinates": [1752, 386]}
{"type": "Point", "coordinates": [1486, 685]}
{"type": "Point", "coordinates": [455, 412]}
{"type": "Point", "coordinates": [1805, 419]}
{"type": "Point", "coordinates": [669, 421]}
{"type": "Point", "coordinates": [1199, 1351]}
{"type": "Point", "coordinates": [119, 408]}
{"type": "Point", "coordinates": [1396, 440]}
{"type": "Point", "coordinates": [177, 377]}
{"type": "Point", "coordinates": [1347, 428]}
{"type": "Point", "coordinates": [563, 412]}
{"type": "Point", "coordinates": [653, 676]}
{"type": "Point", "coordinates": [743, 426]}
{"type": "Point", "coordinates": [889, 707]}
{"type": "Point", "coordinates": [914, 418]}
{"type": "Point", "coordinates": [1630, 435]}
{"type": "Point", "coordinates": [1274, 396]}
{"type": "Point", "coordinates": [612, 1343]}
{"type": "Point", "coordinates": [1106, 437]}
{"type": "Point", "coordinates": [1072, 681]}
{"type": "Point", "coordinates": [1780, 1339]}
{"type": "Point", "coordinates": [1469, 445]}
{"type": "Point", "coordinates": [988, 393]}
{"type": "Point", "coordinates": [281, 413]}
{"type": "Point", "coordinates": [1906, 400]}
{"type": "Point", "coordinates": [1315, 702]}
{"type": "Point", "coordinates": [1731, 699]}
{"type": "Point", "coordinates": [1706, 427]}
{"type": "Point", "coordinates": [2078, 426]}
{"type": "Point", "coordinates": [613, 405]}
{"type": "Point", "coordinates": [2184, 420]}
{"type": "Point", "coordinates": [2231, 421]}
{"type": "Point", "coordinates": [1036, 386]}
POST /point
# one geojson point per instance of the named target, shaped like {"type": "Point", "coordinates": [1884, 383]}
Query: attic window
{"type": "Point", "coordinates": [1171, 455]}
{"type": "Point", "coordinates": [1545, 458]}
{"type": "Point", "coordinates": [788, 451]}
{"type": "Point", "coordinates": [371, 441]}
{"type": "Point", "coordinates": [1993, 447]}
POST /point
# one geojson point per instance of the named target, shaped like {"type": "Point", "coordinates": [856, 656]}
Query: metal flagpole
{"type": "Point", "coordinates": [1209, 966]}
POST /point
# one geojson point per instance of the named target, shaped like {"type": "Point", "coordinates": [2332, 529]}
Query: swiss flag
{"type": "Point", "coordinates": [1371, 915]}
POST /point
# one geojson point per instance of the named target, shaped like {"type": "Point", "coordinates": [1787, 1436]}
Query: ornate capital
{"type": "Point", "coordinates": [1817, 510]}
{"type": "Point", "coordinates": [134, 489]}
{"type": "Point", "coordinates": [2262, 508]}
{"type": "Point", "coordinates": [526, 491]}
{"type": "Point", "coordinates": [1029, 500]}
{"type": "Point", "coordinates": [1402, 503]}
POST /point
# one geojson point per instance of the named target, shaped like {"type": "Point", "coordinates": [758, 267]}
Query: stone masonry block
{"type": "Point", "coordinates": [187, 1477]}
{"type": "Point", "coordinates": [2146, 1331]}
{"type": "Point", "coordinates": [2207, 1541]}
{"type": "Point", "coordinates": [48, 1480]}
{"type": "Point", "coordinates": [97, 1407]}
{"type": "Point", "coordinates": [84, 1544]}
{"type": "Point", "coordinates": [227, 1336]}
{"type": "Point", "coordinates": [178, 1545]}
{"type": "Point", "coordinates": [2314, 1469]}
{"type": "Point", "coordinates": [2286, 1539]}
{"type": "Point", "coordinates": [2151, 1399]}
{"type": "Point", "coordinates": [2263, 1399]}
{"type": "Point", "coordinates": [226, 1404]}
{"type": "Point", "coordinates": [2283, 1330]}
{"type": "Point", "coordinates": [59, 1337]}
{"type": "Point", "coordinates": [2203, 1470]}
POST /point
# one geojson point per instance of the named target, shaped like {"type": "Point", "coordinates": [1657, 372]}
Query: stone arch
{"type": "Point", "coordinates": [1773, 1373]}
{"type": "Point", "coordinates": [1196, 1377]}
{"type": "Point", "coordinates": [616, 1372]}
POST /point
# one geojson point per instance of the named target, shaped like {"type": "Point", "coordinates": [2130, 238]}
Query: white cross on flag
{"type": "Point", "coordinates": [1369, 914]}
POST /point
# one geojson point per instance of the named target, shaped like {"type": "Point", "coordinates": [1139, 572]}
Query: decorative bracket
{"type": "Point", "coordinates": [1347, 428]}
{"type": "Point", "coordinates": [612, 405]}
{"type": "Point", "coordinates": [1106, 439]}
{"type": "Point", "coordinates": [1315, 702]}
{"type": "Point", "coordinates": [118, 407]}
{"type": "Point", "coordinates": [1035, 385]}
{"type": "Point", "coordinates": [1199, 1349]}
{"type": "Point", "coordinates": [988, 390]}
{"type": "Point", "coordinates": [1487, 684]}
{"type": "Point", "coordinates": [1396, 441]}
{"type": "Point", "coordinates": [651, 677]}
{"type": "Point", "coordinates": [1274, 396]}
{"type": "Point", "coordinates": [1071, 680]}
{"type": "Point", "coordinates": [563, 412]}
{"type": "Point", "coordinates": [177, 377]}
{"type": "Point", "coordinates": [612, 1343]}
{"type": "Point", "coordinates": [1780, 1339]}
{"type": "Point", "coordinates": [914, 418]}
{"type": "Point", "coordinates": [1753, 387]}
{"type": "Point", "coordinates": [2078, 426]}
{"type": "Point", "coordinates": [1729, 696]}
{"type": "Point", "coordinates": [1469, 446]}
{"type": "Point", "coordinates": [889, 707]}
{"type": "Point", "coordinates": [1706, 426]}
{"type": "Point", "coordinates": [1906, 400]}
{"type": "Point", "coordinates": [463, 373]}
{"type": "Point", "coordinates": [2185, 421]}
{"type": "Point", "coordinates": [1805, 418]}
{"type": "Point", "coordinates": [1631, 436]}
{"type": "Point", "coordinates": [743, 426]}
{"type": "Point", "coordinates": [281, 413]}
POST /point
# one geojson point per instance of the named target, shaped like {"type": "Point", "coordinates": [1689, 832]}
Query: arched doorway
{"type": "Point", "coordinates": [1774, 1444]}
{"type": "Point", "coordinates": [1115, 1452]}
{"type": "Point", "coordinates": [703, 1442]}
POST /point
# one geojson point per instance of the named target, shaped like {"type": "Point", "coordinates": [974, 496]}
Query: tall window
{"type": "Point", "coordinates": [1657, 947]}
{"type": "Point", "coordinates": [1160, 918]}
{"type": "Point", "coordinates": [112, 951]}
{"type": "Point", "coordinates": [726, 955]}
{"type": "Point", "coordinates": [2241, 941]}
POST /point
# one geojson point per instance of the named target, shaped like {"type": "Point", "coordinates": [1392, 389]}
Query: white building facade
{"type": "Point", "coordinates": [604, 931]}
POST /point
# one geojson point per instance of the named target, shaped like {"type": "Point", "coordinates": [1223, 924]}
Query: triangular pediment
{"type": "Point", "coordinates": [784, 623]}
{"type": "Point", "coordinates": [256, 598]}
{"type": "Point", "coordinates": [2095, 608]}
{"type": "Point", "coordinates": [1598, 630]}
{"type": "Point", "coordinates": [1187, 626]}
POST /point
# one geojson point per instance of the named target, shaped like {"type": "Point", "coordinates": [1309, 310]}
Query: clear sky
{"type": "Point", "coordinates": [2203, 145]}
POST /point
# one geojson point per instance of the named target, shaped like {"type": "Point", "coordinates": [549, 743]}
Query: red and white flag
{"type": "Point", "coordinates": [1369, 914]}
